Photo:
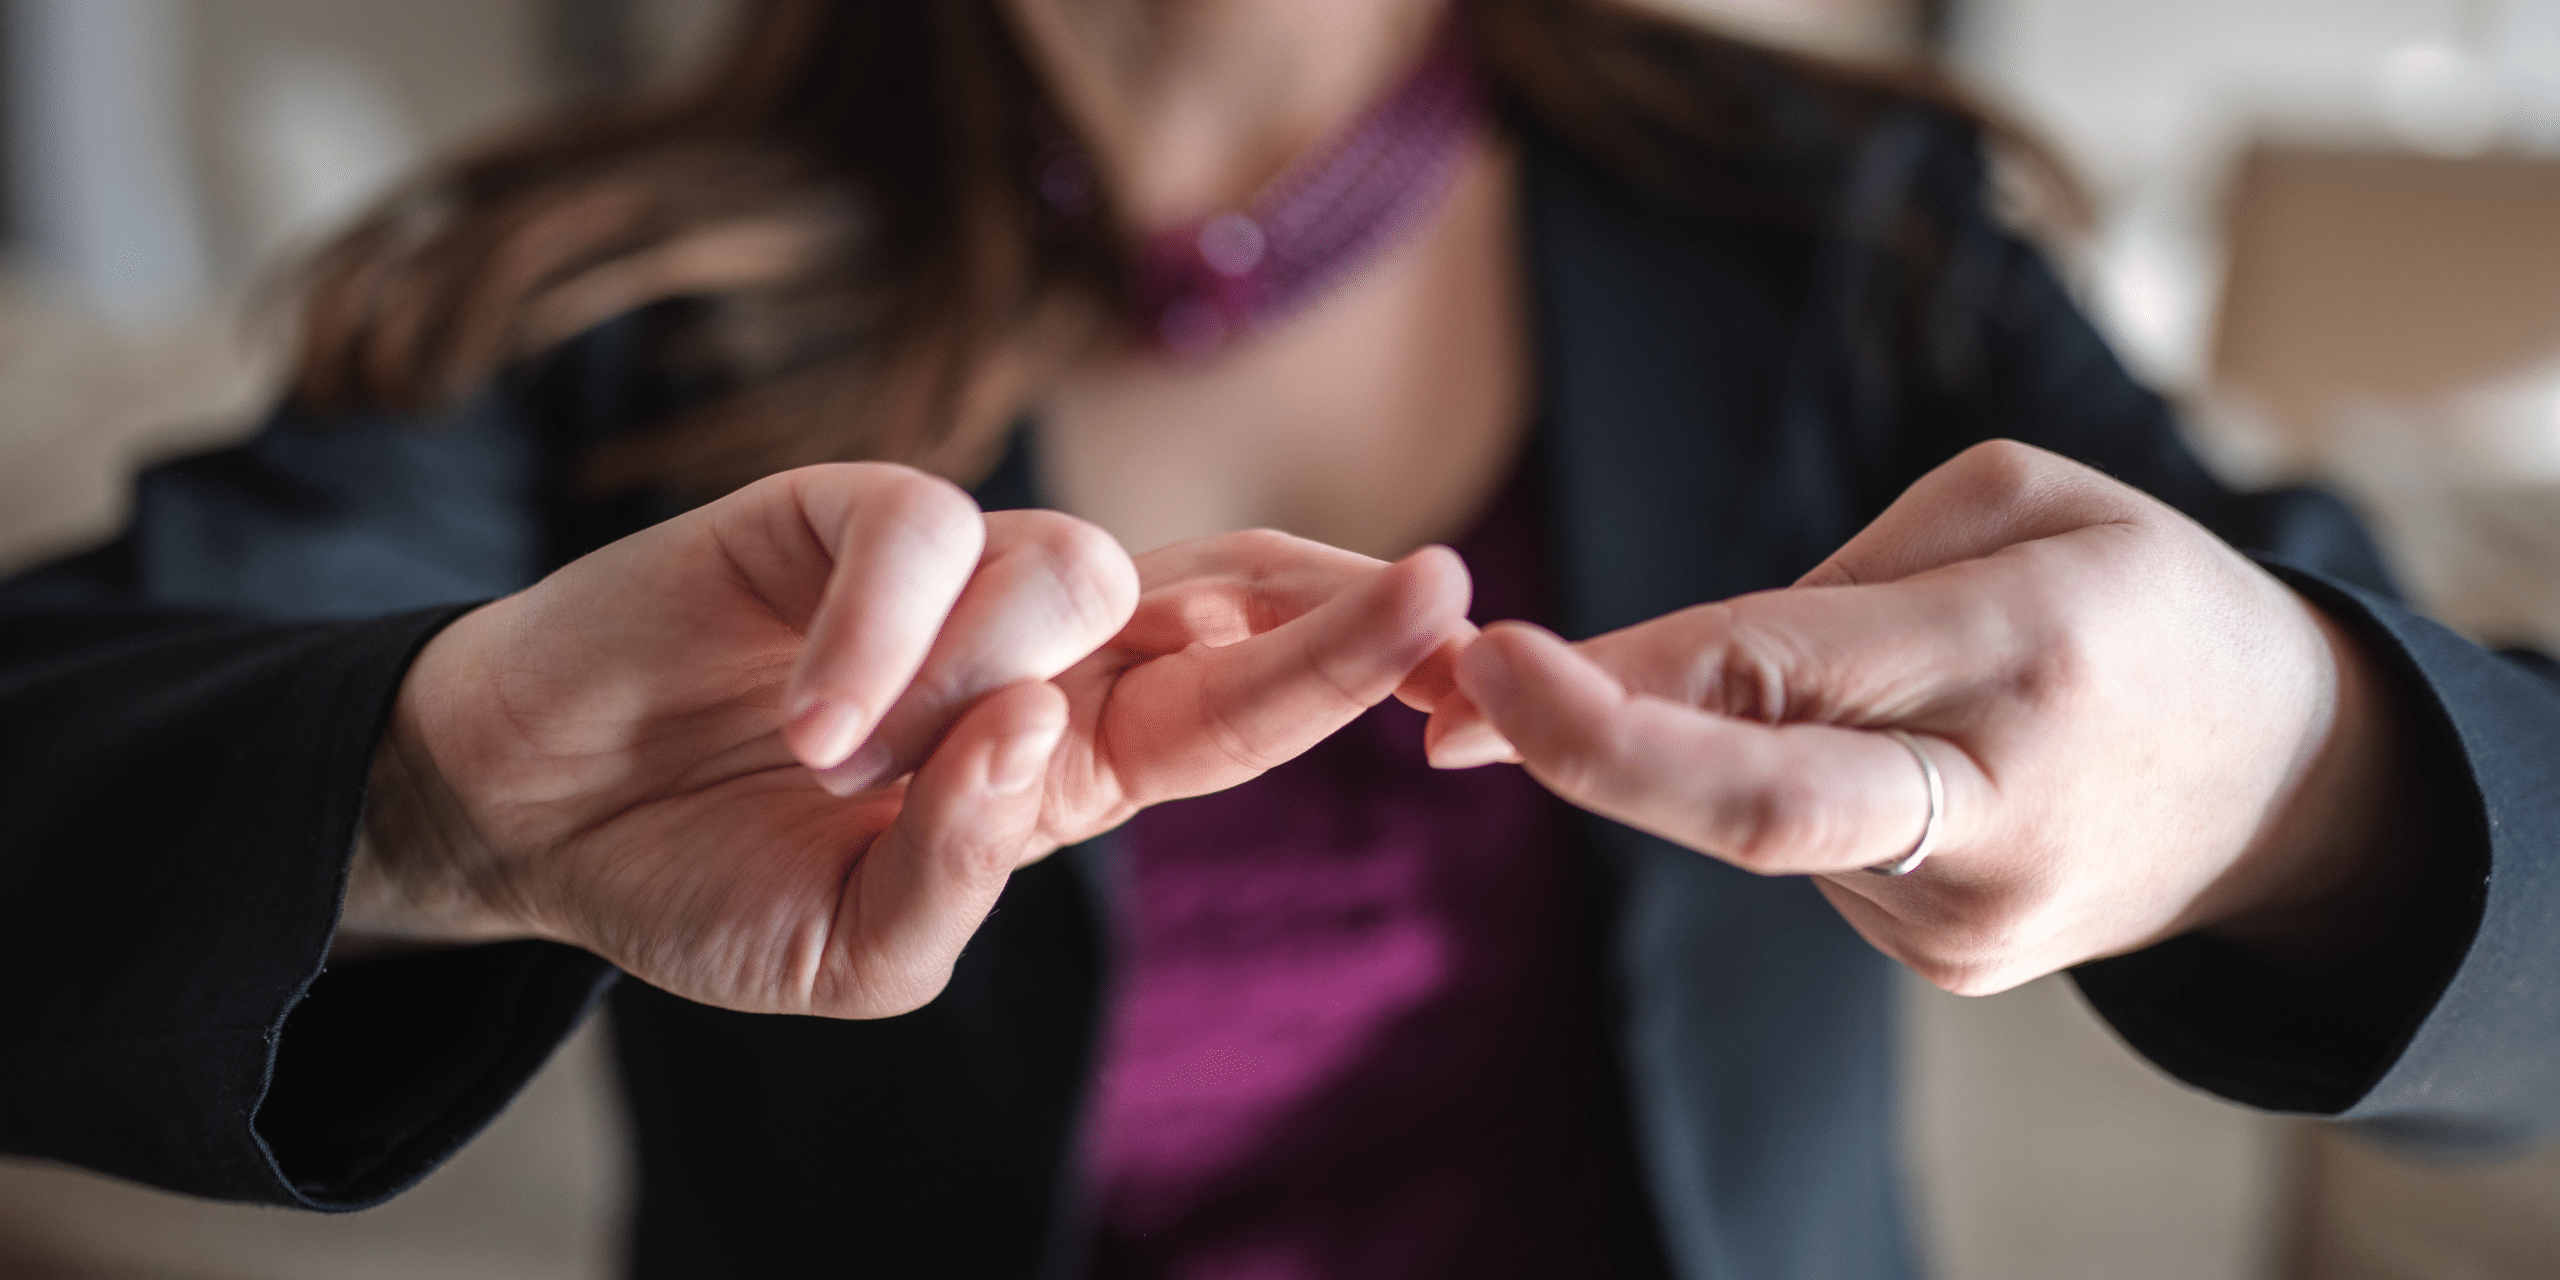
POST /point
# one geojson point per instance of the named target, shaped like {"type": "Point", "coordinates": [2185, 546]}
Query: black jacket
{"type": "Point", "coordinates": [186, 717]}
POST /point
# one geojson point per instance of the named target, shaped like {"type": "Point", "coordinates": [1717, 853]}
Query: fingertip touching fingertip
{"type": "Point", "coordinates": [1447, 566]}
{"type": "Point", "coordinates": [1472, 750]}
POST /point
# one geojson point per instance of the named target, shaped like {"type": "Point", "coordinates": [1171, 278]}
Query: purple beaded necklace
{"type": "Point", "coordinates": [1199, 287]}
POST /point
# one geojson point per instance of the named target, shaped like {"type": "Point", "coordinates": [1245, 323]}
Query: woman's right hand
{"type": "Point", "coordinates": [605, 759]}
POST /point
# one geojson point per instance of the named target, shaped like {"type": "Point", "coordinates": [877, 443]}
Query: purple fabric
{"type": "Point", "coordinates": [1354, 1034]}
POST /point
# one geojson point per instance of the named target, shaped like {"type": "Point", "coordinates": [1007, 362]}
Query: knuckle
{"type": "Point", "coordinates": [2030, 618]}
{"type": "Point", "coordinates": [1096, 585]}
{"type": "Point", "coordinates": [1568, 772]}
{"type": "Point", "coordinates": [1236, 557]}
{"type": "Point", "coordinates": [2056, 491]}
{"type": "Point", "coordinates": [1055, 532]}
{"type": "Point", "coordinates": [1240, 745]}
{"type": "Point", "coordinates": [1255, 553]}
{"type": "Point", "coordinates": [1740, 675]}
{"type": "Point", "coordinates": [1771, 825]}
{"type": "Point", "coordinates": [1263, 541]}
{"type": "Point", "coordinates": [1577, 760]}
{"type": "Point", "coordinates": [1354, 673]}
{"type": "Point", "coordinates": [780, 482]}
{"type": "Point", "coordinates": [933, 508]}
{"type": "Point", "coordinates": [2058, 662]}
{"type": "Point", "coordinates": [985, 861]}
{"type": "Point", "coordinates": [2005, 468]}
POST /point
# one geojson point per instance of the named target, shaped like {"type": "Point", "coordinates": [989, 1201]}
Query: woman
{"type": "Point", "coordinates": [1634, 317]}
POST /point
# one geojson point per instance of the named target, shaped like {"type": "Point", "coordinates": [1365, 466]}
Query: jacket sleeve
{"type": "Point", "coordinates": [187, 719]}
{"type": "Point", "coordinates": [2445, 1032]}
{"type": "Point", "coordinates": [2443, 1035]}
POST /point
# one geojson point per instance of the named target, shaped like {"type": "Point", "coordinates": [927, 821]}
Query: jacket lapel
{"type": "Point", "coordinates": [1687, 455]}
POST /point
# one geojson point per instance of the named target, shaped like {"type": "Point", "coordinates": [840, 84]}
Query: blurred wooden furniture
{"type": "Point", "coordinates": [2368, 297]}
{"type": "Point", "coordinates": [2373, 274]}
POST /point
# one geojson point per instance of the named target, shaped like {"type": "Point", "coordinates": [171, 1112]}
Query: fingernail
{"type": "Point", "coordinates": [1020, 763]}
{"type": "Point", "coordinates": [1470, 748]}
{"type": "Point", "coordinates": [825, 730]}
{"type": "Point", "coordinates": [868, 768]}
{"type": "Point", "coordinates": [1485, 674]}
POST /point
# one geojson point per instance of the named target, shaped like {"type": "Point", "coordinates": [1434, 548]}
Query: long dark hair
{"type": "Point", "coordinates": [846, 196]}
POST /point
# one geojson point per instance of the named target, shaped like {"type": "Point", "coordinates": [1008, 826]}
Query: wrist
{"type": "Point", "coordinates": [2339, 850]}
{"type": "Point", "coordinates": [422, 875]}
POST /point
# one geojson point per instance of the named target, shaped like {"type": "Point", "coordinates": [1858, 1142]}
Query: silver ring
{"type": "Point", "coordinates": [1910, 862]}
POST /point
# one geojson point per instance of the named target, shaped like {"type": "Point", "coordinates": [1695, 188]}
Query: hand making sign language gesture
{"type": "Point", "coordinates": [2134, 731]}
{"type": "Point", "coordinates": [781, 753]}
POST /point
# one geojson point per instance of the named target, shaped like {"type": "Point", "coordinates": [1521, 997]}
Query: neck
{"type": "Point", "coordinates": [1190, 106]}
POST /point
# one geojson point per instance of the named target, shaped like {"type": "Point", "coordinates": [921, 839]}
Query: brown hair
{"type": "Point", "coordinates": [848, 194]}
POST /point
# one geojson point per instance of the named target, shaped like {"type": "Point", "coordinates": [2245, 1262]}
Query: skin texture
{"type": "Point", "coordinates": [605, 759]}
{"type": "Point", "coordinates": [2141, 732]}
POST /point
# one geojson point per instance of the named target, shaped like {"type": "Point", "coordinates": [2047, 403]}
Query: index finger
{"type": "Point", "coordinates": [1207, 717]}
{"type": "Point", "coordinates": [1996, 494]}
{"type": "Point", "coordinates": [902, 546]}
{"type": "Point", "coordinates": [1231, 587]}
{"type": "Point", "coordinates": [1773, 799]}
{"type": "Point", "coordinates": [1048, 590]}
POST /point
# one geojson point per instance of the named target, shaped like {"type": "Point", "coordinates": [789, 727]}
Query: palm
{"type": "Point", "coordinates": [733, 894]}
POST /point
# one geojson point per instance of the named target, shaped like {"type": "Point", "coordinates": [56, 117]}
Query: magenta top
{"type": "Point", "coordinates": [1356, 1029]}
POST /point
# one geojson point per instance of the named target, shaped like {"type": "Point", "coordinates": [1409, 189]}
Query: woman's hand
{"type": "Point", "coordinates": [606, 760]}
{"type": "Point", "coordinates": [2141, 733]}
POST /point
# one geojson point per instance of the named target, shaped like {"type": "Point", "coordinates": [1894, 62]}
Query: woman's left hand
{"type": "Point", "coordinates": [2140, 732]}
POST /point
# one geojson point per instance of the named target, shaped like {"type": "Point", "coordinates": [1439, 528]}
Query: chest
{"type": "Point", "coordinates": [1382, 417]}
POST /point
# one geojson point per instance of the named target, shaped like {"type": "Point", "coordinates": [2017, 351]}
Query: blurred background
{"type": "Point", "coordinates": [2330, 228]}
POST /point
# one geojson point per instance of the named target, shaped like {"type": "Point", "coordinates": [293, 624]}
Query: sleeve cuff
{"type": "Point", "coordinates": [387, 1066]}
{"type": "Point", "coordinates": [178, 802]}
{"type": "Point", "coordinates": [2445, 1033]}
